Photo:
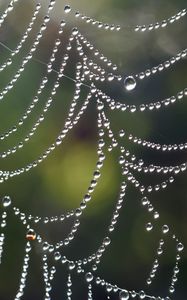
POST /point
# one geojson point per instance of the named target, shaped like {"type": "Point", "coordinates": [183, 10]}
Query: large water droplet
{"type": "Point", "coordinates": [130, 83]}
{"type": "Point", "coordinates": [6, 201]}
{"type": "Point", "coordinates": [124, 295]}
{"type": "Point", "coordinates": [142, 295]}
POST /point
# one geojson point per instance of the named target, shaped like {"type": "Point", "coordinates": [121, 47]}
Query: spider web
{"type": "Point", "coordinates": [90, 69]}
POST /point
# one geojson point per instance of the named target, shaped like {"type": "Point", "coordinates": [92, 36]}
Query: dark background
{"type": "Point", "coordinates": [59, 183]}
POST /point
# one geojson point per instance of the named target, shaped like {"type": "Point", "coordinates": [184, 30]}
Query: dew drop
{"type": "Point", "coordinates": [46, 19]}
{"type": "Point", "coordinates": [57, 256]}
{"type": "Point", "coordinates": [110, 77]}
{"type": "Point", "coordinates": [31, 235]}
{"type": "Point", "coordinates": [133, 294]}
{"type": "Point", "coordinates": [145, 201]}
{"type": "Point", "coordinates": [165, 229]}
{"type": "Point", "coordinates": [171, 289]}
{"type": "Point", "coordinates": [45, 246]}
{"type": "Point", "coordinates": [156, 215]}
{"type": "Point", "coordinates": [142, 295]}
{"type": "Point", "coordinates": [6, 201]}
{"type": "Point", "coordinates": [58, 141]}
{"type": "Point", "coordinates": [121, 133]}
{"type": "Point", "coordinates": [130, 83]}
{"type": "Point", "coordinates": [106, 241]}
{"type": "Point", "coordinates": [180, 247]}
{"type": "Point", "coordinates": [100, 106]}
{"type": "Point", "coordinates": [75, 31]}
{"type": "Point", "coordinates": [71, 265]}
{"type": "Point", "coordinates": [149, 281]}
{"type": "Point", "coordinates": [124, 295]}
{"type": "Point", "coordinates": [149, 227]}
{"type": "Point", "coordinates": [89, 277]}
{"type": "Point", "coordinates": [67, 9]}
{"type": "Point", "coordinates": [109, 288]}
{"type": "Point", "coordinates": [3, 224]}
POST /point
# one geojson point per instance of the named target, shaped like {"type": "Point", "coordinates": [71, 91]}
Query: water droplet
{"type": "Point", "coordinates": [31, 235]}
{"type": "Point", "coordinates": [142, 295]}
{"type": "Point", "coordinates": [75, 31]}
{"type": "Point", "coordinates": [58, 141]}
{"type": "Point", "coordinates": [109, 288]}
{"type": "Point", "coordinates": [45, 246]}
{"type": "Point", "coordinates": [110, 77]}
{"type": "Point", "coordinates": [89, 277]}
{"type": "Point", "coordinates": [149, 227]}
{"type": "Point", "coordinates": [149, 281]}
{"type": "Point", "coordinates": [145, 201]}
{"type": "Point", "coordinates": [3, 224]}
{"type": "Point", "coordinates": [121, 133]}
{"type": "Point", "coordinates": [133, 294]}
{"type": "Point", "coordinates": [46, 19]}
{"type": "Point", "coordinates": [180, 247]}
{"type": "Point", "coordinates": [172, 289]}
{"type": "Point", "coordinates": [67, 9]}
{"type": "Point", "coordinates": [63, 23]}
{"type": "Point", "coordinates": [100, 106]}
{"type": "Point", "coordinates": [106, 241]}
{"type": "Point", "coordinates": [6, 201]}
{"type": "Point", "coordinates": [71, 265]}
{"type": "Point", "coordinates": [124, 295]}
{"type": "Point", "coordinates": [57, 255]}
{"type": "Point", "coordinates": [130, 83]}
{"type": "Point", "coordinates": [165, 229]}
{"type": "Point", "coordinates": [159, 251]}
{"type": "Point", "coordinates": [156, 215]}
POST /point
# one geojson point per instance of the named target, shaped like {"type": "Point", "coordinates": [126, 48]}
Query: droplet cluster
{"type": "Point", "coordinates": [92, 67]}
{"type": "Point", "coordinates": [10, 8]}
{"type": "Point", "coordinates": [137, 28]}
{"type": "Point", "coordinates": [161, 24]}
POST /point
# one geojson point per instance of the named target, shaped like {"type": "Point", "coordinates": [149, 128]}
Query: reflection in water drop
{"type": "Point", "coordinates": [124, 295]}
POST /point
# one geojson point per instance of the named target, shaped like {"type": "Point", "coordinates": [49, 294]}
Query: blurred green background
{"type": "Point", "coordinates": [59, 183]}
